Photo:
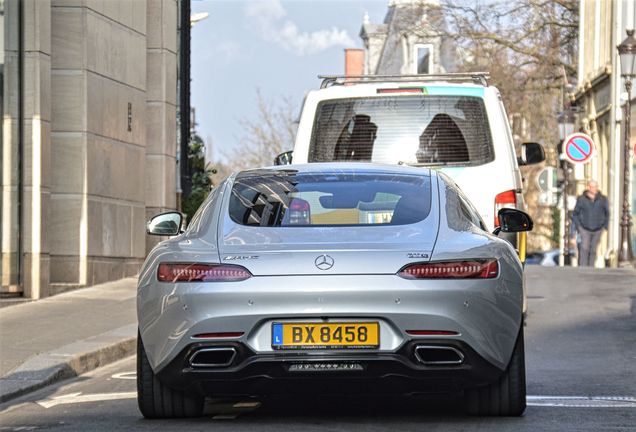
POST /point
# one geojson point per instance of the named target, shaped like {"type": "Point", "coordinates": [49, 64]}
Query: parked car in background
{"type": "Point", "coordinates": [334, 278]}
{"type": "Point", "coordinates": [455, 123]}
{"type": "Point", "coordinates": [546, 258]}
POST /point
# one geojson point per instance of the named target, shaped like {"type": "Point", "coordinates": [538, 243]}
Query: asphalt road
{"type": "Point", "coordinates": [581, 360]}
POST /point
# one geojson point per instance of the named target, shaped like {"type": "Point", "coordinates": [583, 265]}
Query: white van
{"type": "Point", "coordinates": [455, 122]}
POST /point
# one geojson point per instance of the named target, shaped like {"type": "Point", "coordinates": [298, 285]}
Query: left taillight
{"type": "Point", "coordinates": [198, 272]}
{"type": "Point", "coordinates": [466, 269]}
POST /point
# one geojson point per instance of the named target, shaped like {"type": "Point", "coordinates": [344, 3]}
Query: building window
{"type": "Point", "coordinates": [422, 58]}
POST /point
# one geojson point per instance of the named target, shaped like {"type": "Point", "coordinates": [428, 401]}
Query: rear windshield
{"type": "Point", "coordinates": [427, 129]}
{"type": "Point", "coordinates": [285, 198]}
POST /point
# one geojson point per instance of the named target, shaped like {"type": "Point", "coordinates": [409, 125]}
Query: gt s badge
{"type": "Point", "coordinates": [416, 255]}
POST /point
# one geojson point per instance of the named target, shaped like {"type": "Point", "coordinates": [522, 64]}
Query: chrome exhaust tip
{"type": "Point", "coordinates": [215, 357]}
{"type": "Point", "coordinates": [436, 355]}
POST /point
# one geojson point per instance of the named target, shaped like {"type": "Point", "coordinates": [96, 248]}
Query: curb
{"type": "Point", "coordinates": [69, 361]}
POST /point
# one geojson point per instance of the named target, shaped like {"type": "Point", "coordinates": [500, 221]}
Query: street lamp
{"type": "Point", "coordinates": [186, 21]}
{"type": "Point", "coordinates": [627, 54]}
{"type": "Point", "coordinates": [566, 123]}
{"type": "Point", "coordinates": [566, 128]}
{"type": "Point", "coordinates": [199, 16]}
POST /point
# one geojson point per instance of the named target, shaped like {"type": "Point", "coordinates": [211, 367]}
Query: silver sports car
{"type": "Point", "coordinates": [332, 278]}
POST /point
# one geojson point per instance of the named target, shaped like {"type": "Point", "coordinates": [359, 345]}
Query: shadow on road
{"type": "Point", "coordinates": [350, 409]}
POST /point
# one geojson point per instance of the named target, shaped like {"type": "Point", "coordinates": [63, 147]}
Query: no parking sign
{"type": "Point", "coordinates": [578, 148]}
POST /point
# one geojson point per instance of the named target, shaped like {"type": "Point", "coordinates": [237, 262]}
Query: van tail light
{"type": "Point", "coordinates": [197, 272]}
{"type": "Point", "coordinates": [467, 269]}
{"type": "Point", "coordinates": [507, 199]}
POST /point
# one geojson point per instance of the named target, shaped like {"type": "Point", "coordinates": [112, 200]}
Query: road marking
{"type": "Point", "coordinates": [582, 401]}
{"type": "Point", "coordinates": [73, 398]}
{"type": "Point", "coordinates": [125, 375]}
{"type": "Point", "coordinates": [538, 401]}
{"type": "Point", "coordinates": [18, 428]}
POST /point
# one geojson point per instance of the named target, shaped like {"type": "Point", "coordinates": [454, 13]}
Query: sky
{"type": "Point", "coordinates": [277, 47]}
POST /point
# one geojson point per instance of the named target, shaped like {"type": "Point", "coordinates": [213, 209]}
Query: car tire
{"type": "Point", "coordinates": [507, 395]}
{"type": "Point", "coordinates": [158, 401]}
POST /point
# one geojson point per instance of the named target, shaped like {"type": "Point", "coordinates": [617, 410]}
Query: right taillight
{"type": "Point", "coordinates": [200, 272]}
{"type": "Point", "coordinates": [466, 269]}
{"type": "Point", "coordinates": [507, 199]}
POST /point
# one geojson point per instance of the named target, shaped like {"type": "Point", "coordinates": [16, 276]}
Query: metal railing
{"type": "Point", "coordinates": [480, 78]}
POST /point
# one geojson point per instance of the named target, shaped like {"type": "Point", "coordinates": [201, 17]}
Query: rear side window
{"type": "Point", "coordinates": [287, 198]}
{"type": "Point", "coordinates": [424, 129]}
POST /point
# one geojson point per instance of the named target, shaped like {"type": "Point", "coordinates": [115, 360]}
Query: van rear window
{"type": "Point", "coordinates": [284, 198]}
{"type": "Point", "coordinates": [424, 129]}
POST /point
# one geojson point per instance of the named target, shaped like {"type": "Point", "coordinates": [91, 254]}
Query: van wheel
{"type": "Point", "coordinates": [158, 401]}
{"type": "Point", "coordinates": [507, 395]}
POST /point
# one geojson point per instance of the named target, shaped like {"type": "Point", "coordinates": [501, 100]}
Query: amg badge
{"type": "Point", "coordinates": [239, 257]}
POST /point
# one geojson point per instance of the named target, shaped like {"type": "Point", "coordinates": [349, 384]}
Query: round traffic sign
{"type": "Point", "coordinates": [578, 148]}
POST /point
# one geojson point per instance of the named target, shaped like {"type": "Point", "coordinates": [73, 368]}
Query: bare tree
{"type": "Point", "coordinates": [270, 133]}
{"type": "Point", "coordinates": [535, 34]}
{"type": "Point", "coordinates": [529, 47]}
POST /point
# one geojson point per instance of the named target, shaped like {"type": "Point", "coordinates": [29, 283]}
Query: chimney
{"type": "Point", "coordinates": [354, 61]}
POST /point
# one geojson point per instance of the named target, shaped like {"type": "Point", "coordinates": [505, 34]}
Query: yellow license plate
{"type": "Point", "coordinates": [325, 335]}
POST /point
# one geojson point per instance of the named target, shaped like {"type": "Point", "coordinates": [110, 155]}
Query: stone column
{"type": "Point", "coordinates": [161, 108]}
{"type": "Point", "coordinates": [11, 179]}
{"type": "Point", "coordinates": [99, 136]}
{"type": "Point", "coordinates": [36, 147]}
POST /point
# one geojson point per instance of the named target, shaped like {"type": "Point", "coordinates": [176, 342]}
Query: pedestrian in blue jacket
{"type": "Point", "coordinates": [590, 217]}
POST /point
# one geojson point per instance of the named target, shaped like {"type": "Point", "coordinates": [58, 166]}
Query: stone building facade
{"type": "Point", "coordinates": [600, 95]}
{"type": "Point", "coordinates": [408, 41]}
{"type": "Point", "coordinates": [89, 138]}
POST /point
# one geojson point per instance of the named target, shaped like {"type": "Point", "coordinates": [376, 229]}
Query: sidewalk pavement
{"type": "Point", "coordinates": [65, 335]}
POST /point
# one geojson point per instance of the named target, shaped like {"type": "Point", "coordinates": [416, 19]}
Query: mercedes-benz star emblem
{"type": "Point", "coordinates": [324, 262]}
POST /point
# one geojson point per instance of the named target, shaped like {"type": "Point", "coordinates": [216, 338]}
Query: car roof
{"type": "Point", "coordinates": [371, 89]}
{"type": "Point", "coordinates": [340, 167]}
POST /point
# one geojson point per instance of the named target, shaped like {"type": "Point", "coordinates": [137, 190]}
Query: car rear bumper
{"type": "Point", "coordinates": [485, 314]}
{"type": "Point", "coordinates": [249, 373]}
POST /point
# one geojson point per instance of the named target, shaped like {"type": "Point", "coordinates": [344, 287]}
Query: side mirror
{"type": "Point", "coordinates": [531, 153]}
{"type": "Point", "coordinates": [165, 224]}
{"type": "Point", "coordinates": [284, 158]}
{"type": "Point", "coordinates": [513, 220]}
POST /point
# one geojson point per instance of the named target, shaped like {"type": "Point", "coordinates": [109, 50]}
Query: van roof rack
{"type": "Point", "coordinates": [474, 77]}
